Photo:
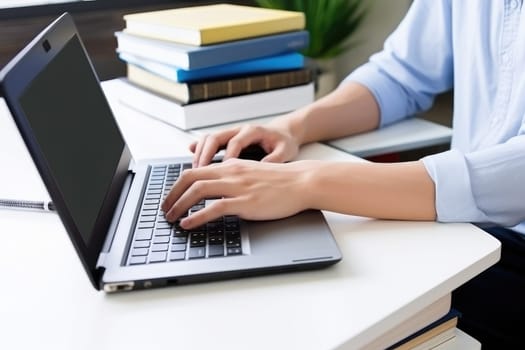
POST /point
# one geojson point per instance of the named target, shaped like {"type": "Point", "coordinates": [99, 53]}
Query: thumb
{"type": "Point", "coordinates": [278, 155]}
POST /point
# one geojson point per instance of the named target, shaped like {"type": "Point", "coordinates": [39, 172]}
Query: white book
{"type": "Point", "coordinates": [214, 112]}
{"type": "Point", "coordinates": [405, 328]}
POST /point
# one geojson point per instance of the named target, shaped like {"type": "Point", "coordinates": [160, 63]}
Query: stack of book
{"type": "Point", "coordinates": [432, 328]}
{"type": "Point", "coordinates": [207, 65]}
{"type": "Point", "coordinates": [432, 336]}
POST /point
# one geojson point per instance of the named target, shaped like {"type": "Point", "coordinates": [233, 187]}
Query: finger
{"type": "Point", "coordinates": [186, 178]}
{"type": "Point", "coordinates": [277, 155]}
{"type": "Point", "coordinates": [198, 191]}
{"type": "Point", "coordinates": [198, 150]}
{"type": "Point", "coordinates": [193, 146]}
{"type": "Point", "coordinates": [221, 207]}
{"type": "Point", "coordinates": [213, 144]}
{"type": "Point", "coordinates": [244, 138]}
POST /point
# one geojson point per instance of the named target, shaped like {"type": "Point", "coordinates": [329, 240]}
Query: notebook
{"type": "Point", "coordinates": [110, 206]}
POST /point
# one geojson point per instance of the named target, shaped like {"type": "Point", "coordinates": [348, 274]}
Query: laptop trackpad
{"type": "Point", "coordinates": [303, 236]}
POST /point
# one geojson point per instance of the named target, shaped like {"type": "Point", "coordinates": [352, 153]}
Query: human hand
{"type": "Point", "coordinates": [249, 189]}
{"type": "Point", "coordinates": [277, 142]}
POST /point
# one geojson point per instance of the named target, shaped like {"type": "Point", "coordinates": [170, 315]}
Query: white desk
{"type": "Point", "coordinates": [390, 272]}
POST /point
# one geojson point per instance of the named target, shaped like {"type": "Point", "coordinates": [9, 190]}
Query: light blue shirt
{"type": "Point", "coordinates": [476, 47]}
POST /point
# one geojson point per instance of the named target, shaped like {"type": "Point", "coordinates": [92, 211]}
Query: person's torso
{"type": "Point", "coordinates": [488, 41]}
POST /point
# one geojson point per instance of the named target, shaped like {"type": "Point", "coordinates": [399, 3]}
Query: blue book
{"type": "Point", "coordinates": [196, 57]}
{"type": "Point", "coordinates": [277, 63]}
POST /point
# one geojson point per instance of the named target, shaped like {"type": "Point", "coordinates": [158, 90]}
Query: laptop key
{"type": "Point", "coordinates": [143, 234]}
{"type": "Point", "coordinates": [148, 213]}
{"type": "Point", "coordinates": [137, 260]}
{"type": "Point", "coordinates": [149, 218]}
{"type": "Point", "coordinates": [146, 225]}
{"type": "Point", "coordinates": [234, 251]}
{"type": "Point", "coordinates": [177, 256]}
{"type": "Point", "coordinates": [141, 244]}
{"type": "Point", "coordinates": [233, 244]}
{"type": "Point", "coordinates": [159, 248]}
{"type": "Point", "coordinates": [197, 253]}
{"type": "Point", "coordinates": [178, 239]}
{"type": "Point", "coordinates": [216, 250]}
{"type": "Point", "coordinates": [162, 232]}
{"type": "Point", "coordinates": [161, 239]}
{"type": "Point", "coordinates": [213, 240]}
{"type": "Point", "coordinates": [158, 257]}
{"type": "Point", "coordinates": [150, 207]}
{"type": "Point", "coordinates": [139, 252]}
{"type": "Point", "coordinates": [178, 247]}
{"type": "Point", "coordinates": [162, 225]}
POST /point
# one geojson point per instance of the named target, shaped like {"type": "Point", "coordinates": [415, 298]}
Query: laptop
{"type": "Point", "coordinates": [110, 207]}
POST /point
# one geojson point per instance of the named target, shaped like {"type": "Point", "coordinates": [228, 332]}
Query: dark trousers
{"type": "Point", "coordinates": [493, 303]}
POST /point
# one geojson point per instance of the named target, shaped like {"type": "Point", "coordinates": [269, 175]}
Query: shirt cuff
{"type": "Point", "coordinates": [454, 198]}
{"type": "Point", "coordinates": [388, 93]}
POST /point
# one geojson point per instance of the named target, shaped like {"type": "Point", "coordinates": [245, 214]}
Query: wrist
{"type": "Point", "coordinates": [310, 182]}
{"type": "Point", "coordinates": [294, 125]}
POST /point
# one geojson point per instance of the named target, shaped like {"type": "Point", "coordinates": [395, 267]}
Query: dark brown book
{"type": "Point", "coordinates": [187, 93]}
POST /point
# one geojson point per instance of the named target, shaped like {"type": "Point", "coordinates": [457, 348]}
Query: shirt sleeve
{"type": "Point", "coordinates": [414, 65]}
{"type": "Point", "coordinates": [484, 186]}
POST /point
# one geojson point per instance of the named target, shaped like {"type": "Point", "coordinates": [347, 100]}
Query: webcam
{"type": "Point", "coordinates": [46, 45]}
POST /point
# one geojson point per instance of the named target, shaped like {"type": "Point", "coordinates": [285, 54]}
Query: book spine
{"type": "Point", "coordinates": [249, 30]}
{"type": "Point", "coordinates": [274, 63]}
{"type": "Point", "coordinates": [152, 49]}
{"type": "Point", "coordinates": [277, 63]}
{"type": "Point", "coordinates": [265, 46]}
{"type": "Point", "coordinates": [245, 85]}
{"type": "Point", "coordinates": [215, 112]}
{"type": "Point", "coordinates": [192, 57]}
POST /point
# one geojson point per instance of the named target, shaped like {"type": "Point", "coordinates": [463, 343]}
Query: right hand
{"type": "Point", "coordinates": [277, 142]}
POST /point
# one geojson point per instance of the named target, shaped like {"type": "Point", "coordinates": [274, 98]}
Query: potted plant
{"type": "Point", "coordinates": [331, 25]}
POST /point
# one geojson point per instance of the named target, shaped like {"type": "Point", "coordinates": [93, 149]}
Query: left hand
{"type": "Point", "coordinates": [249, 189]}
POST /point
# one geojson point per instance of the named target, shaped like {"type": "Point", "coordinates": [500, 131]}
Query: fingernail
{"type": "Point", "coordinates": [184, 223]}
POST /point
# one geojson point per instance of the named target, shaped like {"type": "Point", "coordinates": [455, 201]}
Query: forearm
{"type": "Point", "coordinates": [348, 110]}
{"type": "Point", "coordinates": [402, 191]}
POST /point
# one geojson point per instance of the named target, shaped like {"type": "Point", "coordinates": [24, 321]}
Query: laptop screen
{"type": "Point", "coordinates": [77, 133]}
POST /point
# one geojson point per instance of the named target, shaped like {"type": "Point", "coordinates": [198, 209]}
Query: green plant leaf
{"type": "Point", "coordinates": [330, 23]}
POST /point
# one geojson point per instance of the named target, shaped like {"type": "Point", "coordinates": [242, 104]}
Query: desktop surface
{"type": "Point", "coordinates": [390, 271]}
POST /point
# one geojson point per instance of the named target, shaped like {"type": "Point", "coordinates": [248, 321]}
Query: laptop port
{"type": "Point", "coordinates": [172, 282]}
{"type": "Point", "coordinates": [118, 287]}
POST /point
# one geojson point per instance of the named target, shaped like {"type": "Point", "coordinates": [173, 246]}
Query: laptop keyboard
{"type": "Point", "coordinates": [155, 240]}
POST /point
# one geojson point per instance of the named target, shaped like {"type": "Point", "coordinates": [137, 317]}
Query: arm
{"type": "Point", "coordinates": [348, 110]}
{"type": "Point", "coordinates": [485, 186]}
{"type": "Point", "coordinates": [254, 190]}
{"type": "Point", "coordinates": [402, 191]}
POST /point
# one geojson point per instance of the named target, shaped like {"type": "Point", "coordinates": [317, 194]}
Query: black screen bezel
{"type": "Point", "coordinates": [14, 80]}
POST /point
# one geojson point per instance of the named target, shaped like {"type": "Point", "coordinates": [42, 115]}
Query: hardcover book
{"type": "Point", "coordinates": [209, 90]}
{"type": "Point", "coordinates": [194, 57]}
{"type": "Point", "coordinates": [207, 113]}
{"type": "Point", "coordinates": [202, 25]}
{"type": "Point", "coordinates": [261, 65]}
{"type": "Point", "coordinates": [432, 335]}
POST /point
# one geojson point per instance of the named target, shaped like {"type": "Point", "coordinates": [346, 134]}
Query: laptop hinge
{"type": "Point", "coordinates": [132, 164]}
{"type": "Point", "coordinates": [116, 219]}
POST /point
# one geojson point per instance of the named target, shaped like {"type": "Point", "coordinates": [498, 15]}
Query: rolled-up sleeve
{"type": "Point", "coordinates": [406, 75]}
{"type": "Point", "coordinates": [485, 186]}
